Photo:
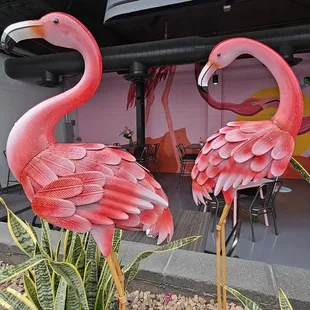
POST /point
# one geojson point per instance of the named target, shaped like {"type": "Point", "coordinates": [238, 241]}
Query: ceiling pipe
{"type": "Point", "coordinates": [156, 53]}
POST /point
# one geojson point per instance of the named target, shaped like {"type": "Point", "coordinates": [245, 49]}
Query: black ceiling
{"type": "Point", "coordinates": [203, 18]}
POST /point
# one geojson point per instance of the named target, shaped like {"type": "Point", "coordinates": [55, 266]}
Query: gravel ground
{"type": "Point", "coordinates": [139, 300]}
{"type": "Point", "coordinates": [147, 301]}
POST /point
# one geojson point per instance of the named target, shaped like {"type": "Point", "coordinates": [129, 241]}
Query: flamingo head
{"type": "Point", "coordinates": [222, 55]}
{"type": "Point", "coordinates": [57, 28]}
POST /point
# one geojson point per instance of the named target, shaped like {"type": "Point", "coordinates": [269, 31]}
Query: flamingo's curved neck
{"type": "Point", "coordinates": [290, 111]}
{"type": "Point", "coordinates": [34, 131]}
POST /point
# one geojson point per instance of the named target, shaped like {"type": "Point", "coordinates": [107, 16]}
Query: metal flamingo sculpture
{"type": "Point", "coordinates": [246, 151]}
{"type": "Point", "coordinates": [85, 186]}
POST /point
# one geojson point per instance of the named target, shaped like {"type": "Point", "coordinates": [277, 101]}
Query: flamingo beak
{"type": "Point", "coordinates": [32, 29]}
{"type": "Point", "coordinates": [205, 75]}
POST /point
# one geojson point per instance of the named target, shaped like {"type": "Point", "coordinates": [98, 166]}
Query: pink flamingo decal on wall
{"type": "Point", "coordinates": [249, 106]}
{"type": "Point", "coordinates": [246, 151]}
{"type": "Point", "coordinates": [84, 186]}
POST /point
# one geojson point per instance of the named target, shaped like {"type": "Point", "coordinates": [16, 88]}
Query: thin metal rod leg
{"type": "Point", "coordinates": [120, 290]}
{"type": "Point", "coordinates": [218, 268]}
{"type": "Point", "coordinates": [224, 271]}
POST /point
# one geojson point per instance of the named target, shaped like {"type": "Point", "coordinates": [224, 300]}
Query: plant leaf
{"type": "Point", "coordinates": [117, 240]}
{"type": "Point", "coordinates": [300, 169]}
{"type": "Point", "coordinates": [249, 304]}
{"type": "Point", "coordinates": [75, 249]}
{"type": "Point", "coordinates": [132, 269]}
{"type": "Point", "coordinates": [80, 264]}
{"type": "Point", "coordinates": [10, 272]}
{"type": "Point", "coordinates": [91, 249]}
{"type": "Point", "coordinates": [31, 291]}
{"type": "Point", "coordinates": [20, 232]}
{"type": "Point", "coordinates": [12, 300]}
{"type": "Point", "coordinates": [72, 303]}
{"type": "Point", "coordinates": [45, 289]}
{"type": "Point", "coordinates": [46, 239]}
{"type": "Point", "coordinates": [61, 294]}
{"type": "Point", "coordinates": [284, 302]}
{"type": "Point", "coordinates": [90, 283]}
{"type": "Point", "coordinates": [73, 278]}
{"type": "Point", "coordinates": [67, 241]}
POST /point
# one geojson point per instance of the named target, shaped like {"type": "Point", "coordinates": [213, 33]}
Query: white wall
{"type": "Point", "coordinates": [16, 97]}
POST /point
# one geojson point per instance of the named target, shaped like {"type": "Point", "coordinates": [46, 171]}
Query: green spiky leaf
{"type": "Point", "coordinates": [44, 286]}
{"type": "Point", "coordinates": [75, 249]}
{"type": "Point", "coordinates": [72, 303]}
{"type": "Point", "coordinates": [300, 169]}
{"type": "Point", "coordinates": [90, 283]}
{"type": "Point", "coordinates": [80, 264]}
{"type": "Point", "coordinates": [22, 235]}
{"type": "Point", "coordinates": [132, 269]}
{"type": "Point", "coordinates": [73, 279]}
{"type": "Point", "coordinates": [12, 300]}
{"type": "Point", "coordinates": [61, 295]}
{"type": "Point", "coordinates": [46, 239]}
{"type": "Point", "coordinates": [31, 291]}
{"type": "Point", "coordinates": [284, 302]}
{"type": "Point", "coordinates": [91, 249]}
{"type": "Point", "coordinates": [249, 304]}
{"type": "Point", "coordinates": [67, 242]}
{"type": "Point", "coordinates": [10, 272]}
{"type": "Point", "coordinates": [117, 240]}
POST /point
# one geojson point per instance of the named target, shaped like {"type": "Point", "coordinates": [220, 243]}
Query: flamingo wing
{"type": "Point", "coordinates": [85, 186]}
{"type": "Point", "coordinates": [240, 153]}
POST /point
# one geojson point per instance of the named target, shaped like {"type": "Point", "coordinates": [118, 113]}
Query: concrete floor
{"type": "Point", "coordinates": [291, 247]}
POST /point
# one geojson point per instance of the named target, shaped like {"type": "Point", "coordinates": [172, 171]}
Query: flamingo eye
{"type": "Point", "coordinates": [218, 54]}
{"type": "Point", "coordinates": [56, 21]}
{"type": "Point", "coordinates": [253, 103]}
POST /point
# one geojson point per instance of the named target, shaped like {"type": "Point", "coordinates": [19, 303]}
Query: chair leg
{"type": "Point", "coordinates": [181, 172]}
{"type": "Point", "coordinates": [274, 221]}
{"type": "Point", "coordinates": [215, 219]}
{"type": "Point", "coordinates": [252, 227]}
{"type": "Point", "coordinates": [8, 181]}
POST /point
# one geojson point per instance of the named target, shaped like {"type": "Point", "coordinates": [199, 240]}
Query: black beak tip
{"type": "Point", "coordinates": [8, 44]}
{"type": "Point", "coordinates": [203, 89]}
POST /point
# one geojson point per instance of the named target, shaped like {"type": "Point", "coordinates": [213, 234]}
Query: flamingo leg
{"type": "Point", "coordinates": [118, 270]}
{"type": "Point", "coordinates": [120, 289]}
{"type": "Point", "coordinates": [221, 264]}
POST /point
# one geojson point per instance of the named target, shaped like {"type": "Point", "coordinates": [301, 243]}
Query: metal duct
{"type": "Point", "coordinates": [157, 53]}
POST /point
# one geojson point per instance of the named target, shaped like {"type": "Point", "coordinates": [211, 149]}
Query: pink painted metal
{"type": "Point", "coordinates": [246, 151]}
{"type": "Point", "coordinates": [81, 186]}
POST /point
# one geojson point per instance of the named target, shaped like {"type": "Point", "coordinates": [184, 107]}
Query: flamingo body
{"type": "Point", "coordinates": [91, 187]}
{"type": "Point", "coordinates": [240, 153]}
{"type": "Point", "coordinates": [80, 186]}
{"type": "Point", "coordinates": [246, 151]}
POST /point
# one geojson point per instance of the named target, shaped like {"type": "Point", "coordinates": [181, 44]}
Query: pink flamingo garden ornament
{"type": "Point", "coordinates": [84, 187]}
{"type": "Point", "coordinates": [246, 151]}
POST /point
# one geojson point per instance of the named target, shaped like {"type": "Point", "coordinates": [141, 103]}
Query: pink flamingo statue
{"type": "Point", "coordinates": [85, 186]}
{"type": "Point", "coordinates": [246, 151]}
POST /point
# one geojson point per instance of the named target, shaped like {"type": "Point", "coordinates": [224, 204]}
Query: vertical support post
{"type": "Point", "coordinates": [140, 112]}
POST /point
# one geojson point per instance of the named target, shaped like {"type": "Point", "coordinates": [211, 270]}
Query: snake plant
{"type": "Point", "coordinates": [251, 305]}
{"type": "Point", "coordinates": [79, 278]}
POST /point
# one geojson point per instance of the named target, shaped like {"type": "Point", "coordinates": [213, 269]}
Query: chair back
{"type": "Point", "coordinates": [181, 150]}
{"type": "Point", "coordinates": [233, 238]}
{"type": "Point", "coordinates": [156, 149]}
{"type": "Point", "coordinates": [273, 189]}
{"type": "Point", "coordinates": [116, 144]}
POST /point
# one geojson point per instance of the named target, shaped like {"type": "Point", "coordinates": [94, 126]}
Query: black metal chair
{"type": "Point", "coordinates": [154, 154]}
{"type": "Point", "coordinates": [231, 241]}
{"type": "Point", "coordinates": [184, 159]}
{"type": "Point", "coordinates": [116, 144]}
{"type": "Point", "coordinates": [142, 154]}
{"type": "Point", "coordinates": [9, 180]}
{"type": "Point", "coordinates": [259, 206]}
{"type": "Point", "coordinates": [216, 203]}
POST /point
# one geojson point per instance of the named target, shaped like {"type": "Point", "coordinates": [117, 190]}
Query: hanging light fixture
{"type": "Point", "coordinates": [215, 79]}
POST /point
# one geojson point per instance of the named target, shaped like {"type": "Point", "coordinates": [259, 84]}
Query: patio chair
{"type": "Point", "coordinates": [142, 154]}
{"type": "Point", "coordinates": [154, 154]}
{"type": "Point", "coordinates": [231, 241]}
{"type": "Point", "coordinates": [184, 159]}
{"type": "Point", "coordinates": [259, 206]}
{"type": "Point", "coordinates": [9, 180]}
{"type": "Point", "coordinates": [216, 203]}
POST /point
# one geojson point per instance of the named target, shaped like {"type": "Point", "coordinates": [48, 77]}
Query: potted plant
{"type": "Point", "coordinates": [127, 133]}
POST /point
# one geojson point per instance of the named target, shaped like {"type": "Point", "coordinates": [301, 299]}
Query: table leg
{"type": "Point", "coordinates": [235, 210]}
{"type": "Point", "coordinates": [265, 215]}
